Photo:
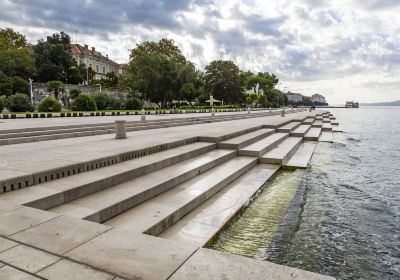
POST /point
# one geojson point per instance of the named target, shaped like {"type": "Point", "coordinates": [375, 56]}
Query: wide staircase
{"type": "Point", "coordinates": [36, 134]}
{"type": "Point", "coordinates": [185, 193]}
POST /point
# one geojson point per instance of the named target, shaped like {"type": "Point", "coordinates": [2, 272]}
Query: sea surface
{"type": "Point", "coordinates": [341, 216]}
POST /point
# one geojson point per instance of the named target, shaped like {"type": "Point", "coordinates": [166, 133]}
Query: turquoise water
{"type": "Point", "coordinates": [342, 218]}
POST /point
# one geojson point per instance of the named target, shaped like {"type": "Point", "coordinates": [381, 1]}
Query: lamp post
{"type": "Point", "coordinates": [31, 90]}
{"type": "Point", "coordinates": [279, 93]}
{"type": "Point", "coordinates": [99, 86]}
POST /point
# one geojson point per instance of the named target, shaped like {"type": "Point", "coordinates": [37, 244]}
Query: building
{"type": "Point", "coordinates": [100, 64]}
{"type": "Point", "coordinates": [352, 104]}
{"type": "Point", "coordinates": [318, 98]}
{"type": "Point", "coordinates": [294, 97]}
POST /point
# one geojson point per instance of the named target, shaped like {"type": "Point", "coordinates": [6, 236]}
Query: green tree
{"type": "Point", "coordinates": [222, 80]}
{"type": "Point", "coordinates": [263, 101]}
{"type": "Point", "coordinates": [252, 98]}
{"type": "Point", "coordinates": [83, 103]}
{"type": "Point", "coordinates": [103, 101]}
{"type": "Point", "coordinates": [264, 80]}
{"type": "Point", "coordinates": [20, 85]}
{"type": "Point", "coordinates": [54, 60]}
{"type": "Point", "coordinates": [6, 84]}
{"type": "Point", "coordinates": [10, 39]}
{"type": "Point", "coordinates": [159, 71]}
{"type": "Point", "coordinates": [56, 87]}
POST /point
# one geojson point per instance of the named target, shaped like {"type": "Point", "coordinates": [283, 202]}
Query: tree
{"type": "Point", "coordinates": [10, 39]}
{"type": "Point", "coordinates": [263, 101]}
{"type": "Point", "coordinates": [19, 102]}
{"type": "Point", "coordinates": [6, 84]}
{"type": "Point", "coordinates": [252, 98]}
{"type": "Point", "coordinates": [54, 60]}
{"type": "Point", "coordinates": [159, 71]}
{"type": "Point", "coordinates": [222, 80]}
{"type": "Point", "coordinates": [263, 79]}
{"type": "Point", "coordinates": [17, 62]}
{"type": "Point", "coordinates": [55, 87]}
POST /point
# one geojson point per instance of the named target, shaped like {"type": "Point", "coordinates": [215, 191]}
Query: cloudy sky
{"type": "Point", "coordinates": [343, 49]}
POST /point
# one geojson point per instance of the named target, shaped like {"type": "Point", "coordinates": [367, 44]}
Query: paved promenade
{"type": "Point", "coordinates": [144, 207]}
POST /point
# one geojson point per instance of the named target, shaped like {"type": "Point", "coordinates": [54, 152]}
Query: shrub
{"type": "Point", "coordinates": [116, 103]}
{"type": "Point", "coordinates": [263, 100]}
{"type": "Point", "coordinates": [133, 104]}
{"type": "Point", "coordinates": [74, 93]}
{"type": "Point", "coordinates": [83, 103]}
{"type": "Point", "coordinates": [49, 104]}
{"type": "Point", "coordinates": [103, 101]}
{"type": "Point", "coordinates": [19, 102]}
{"type": "Point", "coordinates": [3, 101]}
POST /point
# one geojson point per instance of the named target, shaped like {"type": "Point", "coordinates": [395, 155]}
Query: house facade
{"type": "Point", "coordinates": [318, 98]}
{"type": "Point", "coordinates": [294, 97]}
{"type": "Point", "coordinates": [100, 64]}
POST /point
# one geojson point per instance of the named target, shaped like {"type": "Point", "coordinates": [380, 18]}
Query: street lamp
{"type": "Point", "coordinates": [31, 90]}
{"type": "Point", "coordinates": [99, 86]}
{"type": "Point", "coordinates": [279, 93]}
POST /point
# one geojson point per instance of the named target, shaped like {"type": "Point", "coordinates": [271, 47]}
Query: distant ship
{"type": "Point", "coordinates": [351, 104]}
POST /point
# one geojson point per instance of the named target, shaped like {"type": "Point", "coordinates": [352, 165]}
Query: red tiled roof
{"type": "Point", "coordinates": [83, 50]}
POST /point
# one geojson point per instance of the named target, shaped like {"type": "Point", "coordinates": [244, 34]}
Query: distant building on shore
{"type": "Point", "coordinates": [100, 64]}
{"type": "Point", "coordinates": [318, 98]}
{"type": "Point", "coordinates": [294, 97]}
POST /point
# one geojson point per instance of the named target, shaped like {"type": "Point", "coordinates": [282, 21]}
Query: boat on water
{"type": "Point", "coordinates": [352, 104]}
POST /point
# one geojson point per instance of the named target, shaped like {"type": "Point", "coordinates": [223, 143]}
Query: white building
{"type": "Point", "coordinates": [318, 98]}
{"type": "Point", "coordinates": [294, 97]}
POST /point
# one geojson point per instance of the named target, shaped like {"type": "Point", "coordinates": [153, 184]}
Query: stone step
{"type": "Point", "coordinates": [326, 120]}
{"type": "Point", "coordinates": [108, 203]}
{"type": "Point", "coordinates": [288, 127]}
{"type": "Point", "coordinates": [301, 130]}
{"type": "Point", "coordinates": [313, 134]}
{"type": "Point", "coordinates": [301, 157]}
{"type": "Point", "coordinates": [57, 192]}
{"type": "Point", "coordinates": [326, 127]}
{"type": "Point", "coordinates": [281, 153]}
{"type": "Point", "coordinates": [317, 123]}
{"type": "Point", "coordinates": [260, 147]}
{"type": "Point", "coordinates": [155, 215]}
{"type": "Point", "coordinates": [203, 224]}
{"type": "Point", "coordinates": [246, 139]}
{"type": "Point", "coordinates": [326, 136]}
{"type": "Point", "coordinates": [309, 121]}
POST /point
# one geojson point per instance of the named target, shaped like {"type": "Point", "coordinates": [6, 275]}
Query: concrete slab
{"type": "Point", "coordinates": [288, 127]}
{"type": "Point", "coordinates": [326, 127]}
{"type": "Point", "coordinates": [203, 223]}
{"type": "Point", "coordinates": [300, 130]}
{"type": "Point", "coordinates": [22, 219]}
{"type": "Point", "coordinates": [6, 244]}
{"type": "Point", "coordinates": [313, 134]}
{"type": "Point", "coordinates": [157, 214]}
{"type": "Point", "coordinates": [27, 258]}
{"type": "Point", "coordinates": [282, 152]}
{"type": "Point", "coordinates": [264, 145]}
{"type": "Point", "coordinates": [317, 123]}
{"type": "Point", "coordinates": [68, 270]}
{"type": "Point", "coordinates": [6, 207]}
{"type": "Point", "coordinates": [245, 139]}
{"type": "Point", "coordinates": [10, 273]}
{"type": "Point", "coordinates": [326, 136]}
{"type": "Point", "coordinates": [209, 264]}
{"type": "Point", "coordinates": [135, 256]}
{"type": "Point", "coordinates": [60, 235]}
{"type": "Point", "coordinates": [302, 157]}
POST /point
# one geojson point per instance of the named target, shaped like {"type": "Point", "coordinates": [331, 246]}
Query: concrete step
{"type": "Point", "coordinates": [301, 157]}
{"type": "Point", "coordinates": [155, 215]}
{"type": "Point", "coordinates": [204, 223]}
{"type": "Point", "coordinates": [108, 203]}
{"type": "Point", "coordinates": [245, 139]}
{"type": "Point", "coordinates": [313, 134]}
{"type": "Point", "coordinates": [326, 127]}
{"type": "Point", "coordinates": [301, 130]}
{"type": "Point", "coordinates": [309, 121]}
{"type": "Point", "coordinates": [281, 153]}
{"type": "Point", "coordinates": [57, 192]}
{"type": "Point", "coordinates": [326, 136]}
{"type": "Point", "coordinates": [326, 120]}
{"type": "Point", "coordinates": [260, 147]}
{"type": "Point", "coordinates": [288, 127]}
{"type": "Point", "coordinates": [317, 123]}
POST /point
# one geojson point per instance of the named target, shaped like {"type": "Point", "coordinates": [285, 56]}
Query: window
{"type": "Point", "coordinates": [97, 68]}
{"type": "Point", "coordinates": [104, 69]}
{"type": "Point", "coordinates": [90, 65]}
